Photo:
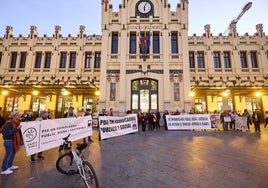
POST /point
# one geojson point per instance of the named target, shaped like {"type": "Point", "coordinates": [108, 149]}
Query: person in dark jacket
{"type": "Point", "coordinates": [70, 113]}
{"type": "Point", "coordinates": [256, 118]}
{"type": "Point", "coordinates": [165, 119]}
{"type": "Point", "coordinates": [11, 136]}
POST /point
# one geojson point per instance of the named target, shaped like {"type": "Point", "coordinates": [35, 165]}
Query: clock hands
{"type": "Point", "coordinates": [145, 6]}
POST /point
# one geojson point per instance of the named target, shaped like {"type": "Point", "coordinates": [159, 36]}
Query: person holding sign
{"type": "Point", "coordinates": [266, 119]}
{"type": "Point", "coordinates": [11, 136]}
{"type": "Point", "coordinates": [249, 122]}
{"type": "Point", "coordinates": [88, 113]}
{"type": "Point", "coordinates": [70, 113]}
{"type": "Point", "coordinates": [42, 115]}
{"type": "Point", "coordinates": [226, 120]}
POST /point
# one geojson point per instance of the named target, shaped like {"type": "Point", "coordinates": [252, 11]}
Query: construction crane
{"type": "Point", "coordinates": [234, 21]}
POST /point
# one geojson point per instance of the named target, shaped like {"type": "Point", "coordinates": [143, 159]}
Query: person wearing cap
{"type": "Point", "coordinates": [11, 136]}
{"type": "Point", "coordinates": [42, 116]}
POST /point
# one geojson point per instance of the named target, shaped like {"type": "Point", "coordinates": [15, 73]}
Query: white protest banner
{"type": "Point", "coordinates": [241, 123]}
{"type": "Point", "coordinates": [111, 126]}
{"type": "Point", "coordinates": [215, 120]}
{"type": "Point", "coordinates": [45, 134]}
{"type": "Point", "coordinates": [188, 121]}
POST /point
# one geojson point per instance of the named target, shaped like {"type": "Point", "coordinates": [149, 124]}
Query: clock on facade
{"type": "Point", "coordinates": [144, 8]}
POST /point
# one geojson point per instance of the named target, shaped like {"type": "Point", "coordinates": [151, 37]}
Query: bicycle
{"type": "Point", "coordinates": [74, 162]}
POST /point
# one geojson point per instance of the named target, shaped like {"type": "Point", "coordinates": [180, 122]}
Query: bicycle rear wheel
{"type": "Point", "coordinates": [66, 164]}
{"type": "Point", "coordinates": [90, 177]}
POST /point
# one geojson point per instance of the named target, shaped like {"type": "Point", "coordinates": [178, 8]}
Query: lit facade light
{"type": "Point", "coordinates": [258, 94]}
{"type": "Point", "coordinates": [225, 94]}
{"type": "Point", "coordinates": [4, 92]}
{"type": "Point", "coordinates": [192, 94]}
{"type": "Point", "coordinates": [97, 92]}
{"type": "Point", "coordinates": [65, 92]}
{"type": "Point", "coordinates": [35, 92]}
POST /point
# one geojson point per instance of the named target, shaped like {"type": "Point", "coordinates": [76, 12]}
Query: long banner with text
{"type": "Point", "coordinates": [188, 121]}
{"type": "Point", "coordinates": [201, 121]}
{"type": "Point", "coordinates": [45, 134]}
{"type": "Point", "coordinates": [111, 126]}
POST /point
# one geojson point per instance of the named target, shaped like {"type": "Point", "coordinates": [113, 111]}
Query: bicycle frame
{"type": "Point", "coordinates": [76, 163]}
{"type": "Point", "coordinates": [78, 158]}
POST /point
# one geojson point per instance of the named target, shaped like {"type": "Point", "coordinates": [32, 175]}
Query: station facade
{"type": "Point", "coordinates": [143, 60]}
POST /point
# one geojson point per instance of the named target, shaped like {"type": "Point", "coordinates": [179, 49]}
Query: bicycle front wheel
{"type": "Point", "coordinates": [90, 177]}
{"type": "Point", "coordinates": [66, 164]}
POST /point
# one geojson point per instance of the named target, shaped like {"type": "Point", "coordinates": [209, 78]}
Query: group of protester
{"type": "Point", "coordinates": [151, 121]}
{"type": "Point", "coordinates": [228, 119]}
{"type": "Point", "coordinates": [10, 128]}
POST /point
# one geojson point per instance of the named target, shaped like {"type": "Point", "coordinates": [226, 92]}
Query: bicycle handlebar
{"type": "Point", "coordinates": [66, 138]}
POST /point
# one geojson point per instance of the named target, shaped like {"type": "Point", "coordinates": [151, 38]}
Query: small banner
{"type": "Point", "coordinates": [45, 134]}
{"type": "Point", "coordinates": [188, 121]}
{"type": "Point", "coordinates": [215, 121]}
{"type": "Point", "coordinates": [241, 123]}
{"type": "Point", "coordinates": [111, 126]}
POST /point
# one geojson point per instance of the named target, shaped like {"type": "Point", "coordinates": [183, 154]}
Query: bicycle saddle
{"type": "Point", "coordinates": [80, 147]}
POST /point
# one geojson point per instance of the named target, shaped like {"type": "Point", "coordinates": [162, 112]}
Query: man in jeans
{"type": "Point", "coordinates": [11, 136]}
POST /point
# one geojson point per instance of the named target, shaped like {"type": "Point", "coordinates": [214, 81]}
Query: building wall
{"type": "Point", "coordinates": [208, 83]}
{"type": "Point", "coordinates": [125, 22]}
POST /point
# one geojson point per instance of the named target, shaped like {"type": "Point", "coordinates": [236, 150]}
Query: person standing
{"type": "Point", "coordinates": [226, 120]}
{"type": "Point", "coordinates": [150, 118]}
{"type": "Point", "coordinates": [249, 122]}
{"type": "Point", "coordinates": [26, 116]}
{"type": "Point", "coordinates": [143, 121]}
{"type": "Point", "coordinates": [49, 114]}
{"type": "Point", "coordinates": [88, 113]}
{"type": "Point", "coordinates": [11, 136]}
{"type": "Point", "coordinates": [2, 119]}
{"type": "Point", "coordinates": [266, 119]}
{"type": "Point", "coordinates": [165, 119]}
{"type": "Point", "coordinates": [139, 116]}
{"type": "Point", "coordinates": [70, 113]}
{"type": "Point", "coordinates": [111, 113]}
{"type": "Point", "coordinates": [233, 117]}
{"type": "Point", "coordinates": [42, 116]}
{"type": "Point", "coordinates": [103, 112]}
{"type": "Point", "coordinates": [256, 118]}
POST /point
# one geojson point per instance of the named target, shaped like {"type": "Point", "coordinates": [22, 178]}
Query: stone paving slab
{"type": "Point", "coordinates": [158, 159]}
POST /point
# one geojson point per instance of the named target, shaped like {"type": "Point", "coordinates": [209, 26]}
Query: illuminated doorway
{"type": "Point", "coordinates": [63, 105]}
{"type": "Point", "coordinates": [144, 94]}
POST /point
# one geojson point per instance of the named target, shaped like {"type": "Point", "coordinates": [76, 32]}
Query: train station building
{"type": "Point", "coordinates": [144, 59]}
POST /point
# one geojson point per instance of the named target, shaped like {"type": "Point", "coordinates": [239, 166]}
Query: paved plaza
{"type": "Point", "coordinates": [158, 159]}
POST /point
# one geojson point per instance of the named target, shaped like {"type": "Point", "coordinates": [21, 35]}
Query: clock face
{"type": "Point", "coordinates": [144, 7]}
